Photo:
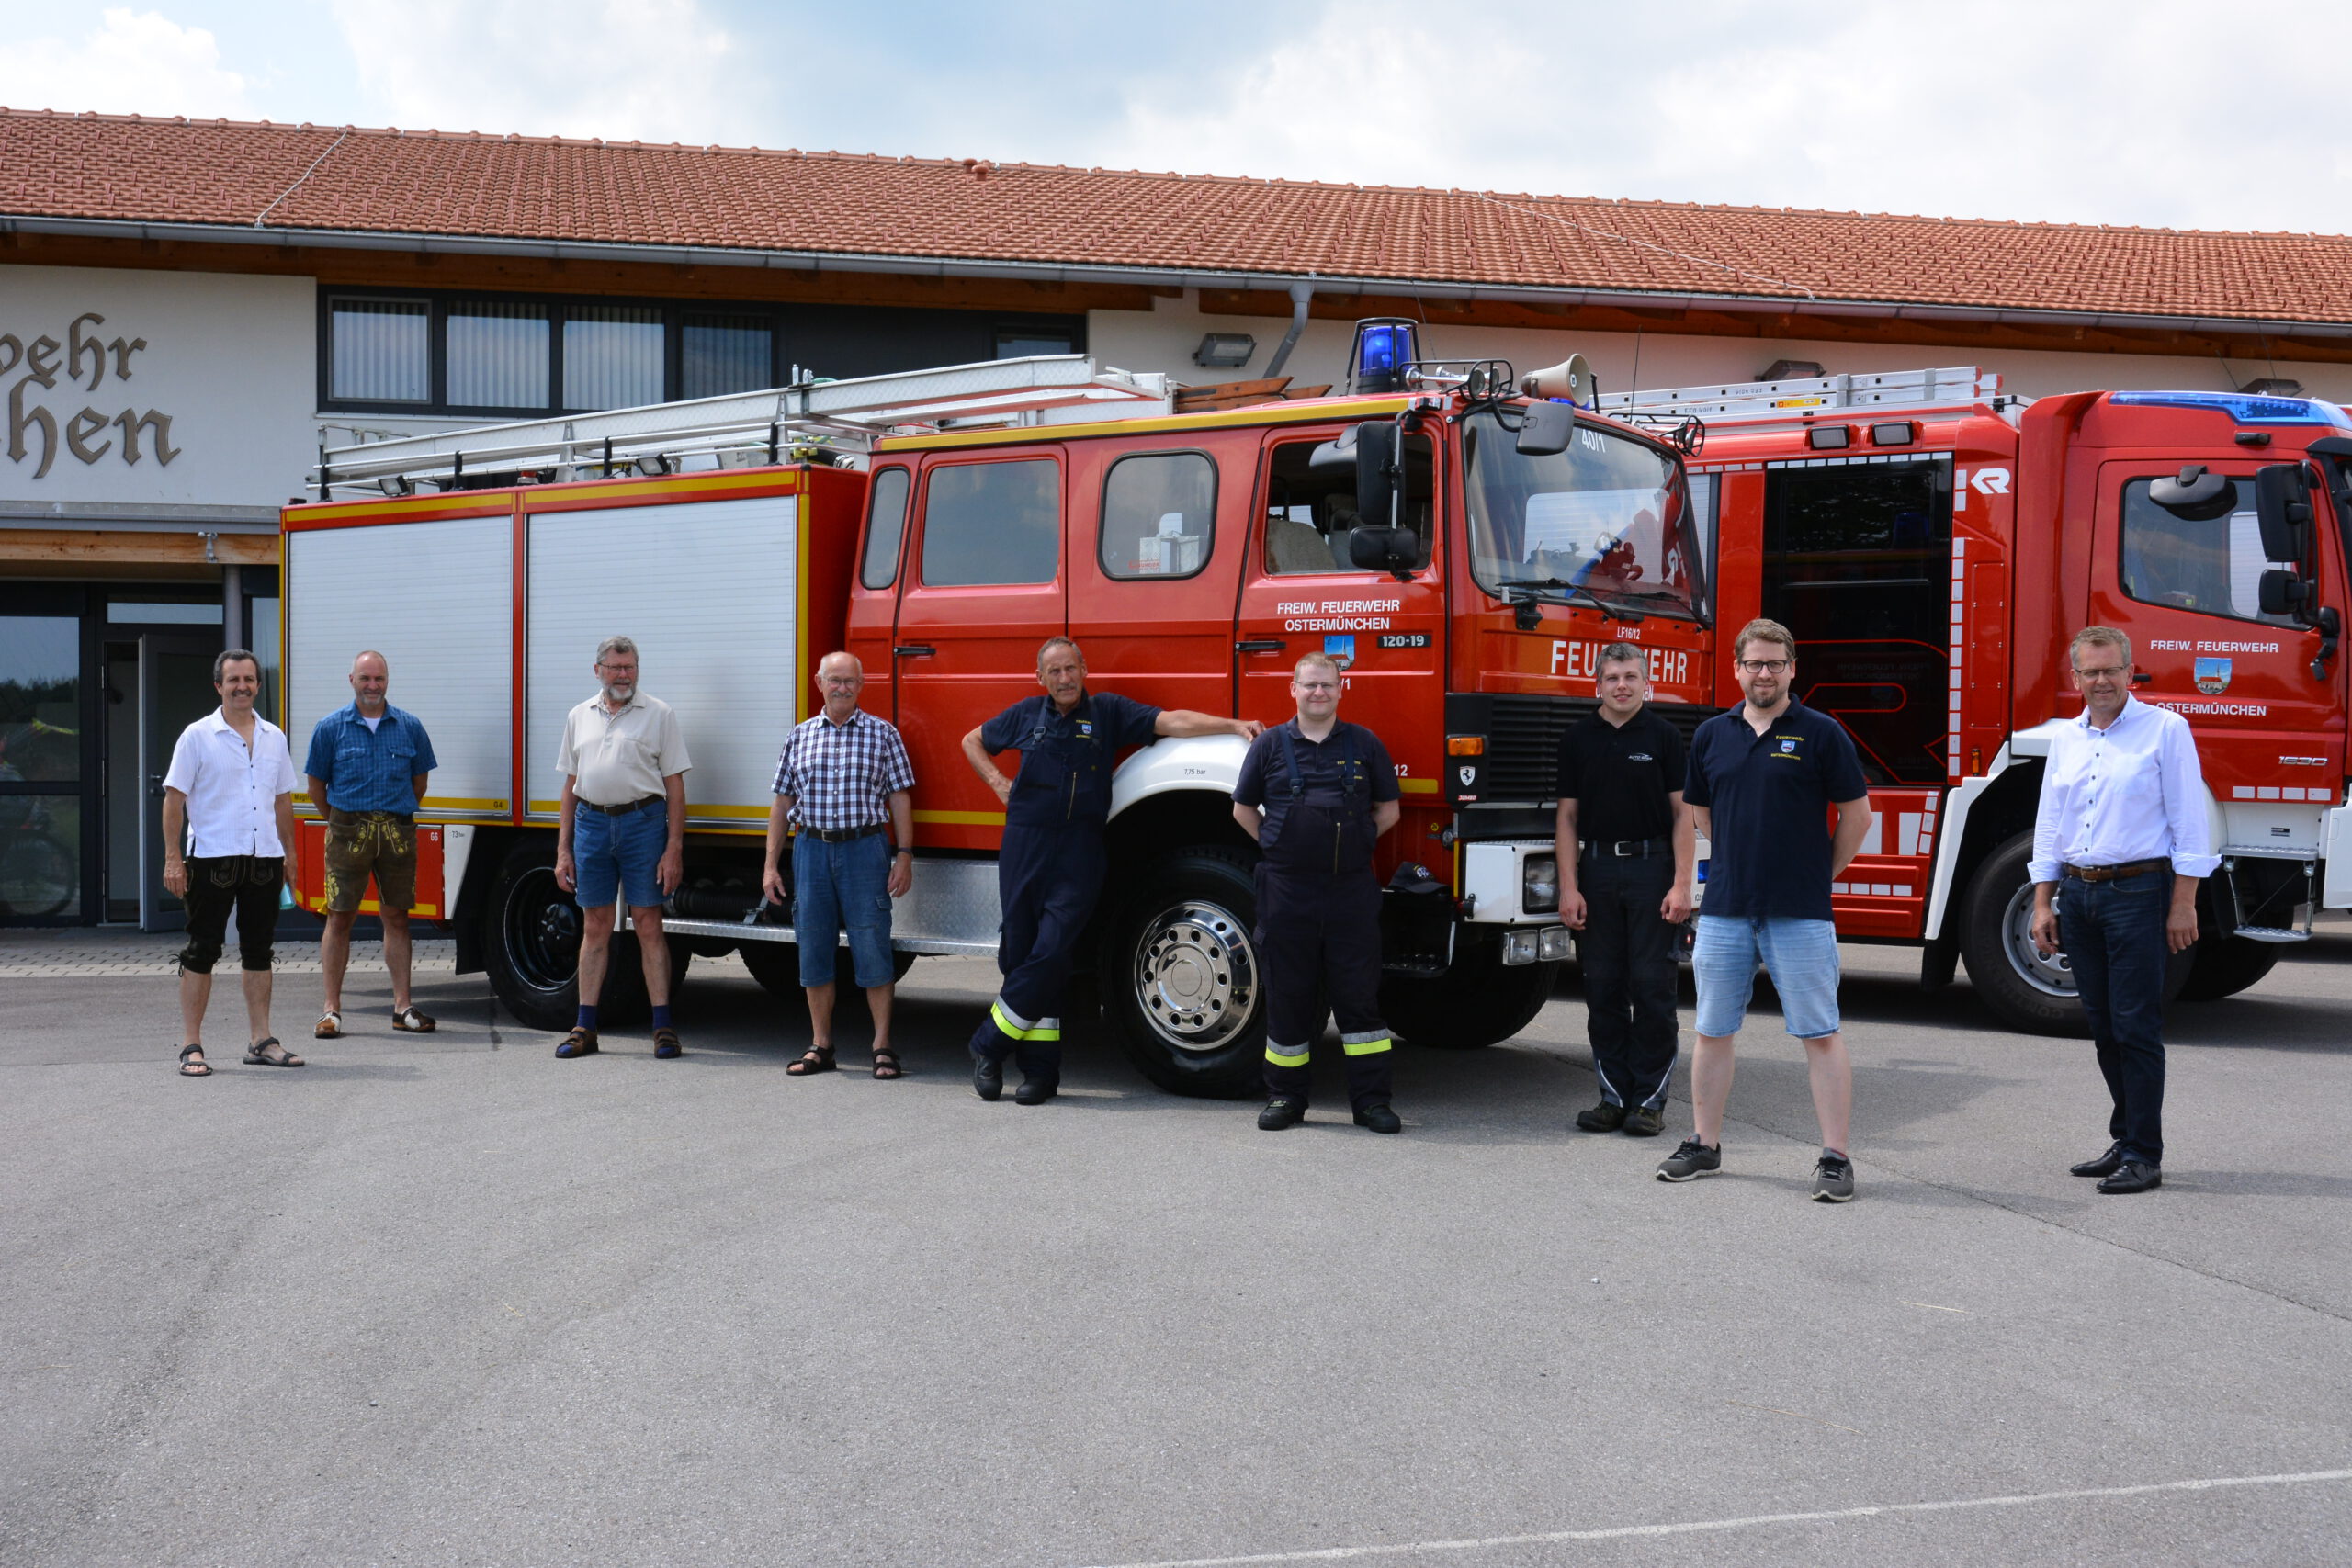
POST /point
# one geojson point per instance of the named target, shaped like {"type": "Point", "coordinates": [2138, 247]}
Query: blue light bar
{"type": "Point", "coordinates": [2246, 408]}
{"type": "Point", "coordinates": [1385, 348]}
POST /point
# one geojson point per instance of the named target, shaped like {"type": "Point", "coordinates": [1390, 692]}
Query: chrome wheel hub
{"type": "Point", "coordinates": [1195, 976]}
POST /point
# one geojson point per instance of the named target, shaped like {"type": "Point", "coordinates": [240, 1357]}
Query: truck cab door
{"type": "Point", "coordinates": [2183, 581]}
{"type": "Point", "coordinates": [1156, 536]}
{"type": "Point", "coordinates": [982, 587]}
{"type": "Point", "coordinates": [1301, 593]}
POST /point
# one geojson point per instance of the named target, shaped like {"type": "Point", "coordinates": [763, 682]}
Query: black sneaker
{"type": "Point", "coordinates": [1380, 1118]}
{"type": "Point", "coordinates": [987, 1077]}
{"type": "Point", "coordinates": [1282, 1111]}
{"type": "Point", "coordinates": [1645, 1122]}
{"type": "Point", "coordinates": [1832, 1179]}
{"type": "Point", "coordinates": [1603, 1118]}
{"type": "Point", "coordinates": [1693, 1160]}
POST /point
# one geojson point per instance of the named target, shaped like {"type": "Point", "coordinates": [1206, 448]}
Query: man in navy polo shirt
{"type": "Point", "coordinates": [1762, 778]}
{"type": "Point", "coordinates": [367, 765]}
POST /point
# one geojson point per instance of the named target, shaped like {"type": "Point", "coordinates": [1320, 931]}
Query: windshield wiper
{"type": "Point", "coordinates": [1530, 583]}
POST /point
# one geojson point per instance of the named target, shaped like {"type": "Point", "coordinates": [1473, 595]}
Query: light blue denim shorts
{"type": "Point", "coordinates": [1800, 955]}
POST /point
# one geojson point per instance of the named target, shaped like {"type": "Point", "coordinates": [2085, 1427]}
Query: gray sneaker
{"type": "Point", "coordinates": [1690, 1162]}
{"type": "Point", "coordinates": [1832, 1179]}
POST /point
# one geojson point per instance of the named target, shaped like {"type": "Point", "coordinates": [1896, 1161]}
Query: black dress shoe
{"type": "Point", "coordinates": [1035, 1091]}
{"type": "Point", "coordinates": [987, 1077]}
{"type": "Point", "coordinates": [1380, 1118]}
{"type": "Point", "coordinates": [2133, 1176]}
{"type": "Point", "coordinates": [2105, 1164]}
{"type": "Point", "coordinates": [1282, 1111]}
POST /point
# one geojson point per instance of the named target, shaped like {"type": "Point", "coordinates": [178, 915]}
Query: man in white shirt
{"type": "Point", "coordinates": [2121, 833]}
{"type": "Point", "coordinates": [620, 832]}
{"type": "Point", "coordinates": [229, 843]}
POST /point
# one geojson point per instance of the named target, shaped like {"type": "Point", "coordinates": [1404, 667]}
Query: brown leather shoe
{"type": "Point", "coordinates": [579, 1042]}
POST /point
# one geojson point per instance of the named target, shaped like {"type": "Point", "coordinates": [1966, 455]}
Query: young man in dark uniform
{"type": "Point", "coordinates": [1625, 844]}
{"type": "Point", "coordinates": [1316, 793]}
{"type": "Point", "coordinates": [1050, 870]}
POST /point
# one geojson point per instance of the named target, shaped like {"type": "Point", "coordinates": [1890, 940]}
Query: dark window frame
{"type": "Point", "coordinates": [922, 551]}
{"type": "Point", "coordinates": [777, 313]}
{"type": "Point", "coordinates": [2123, 540]}
{"type": "Point", "coordinates": [899, 546]}
{"type": "Point", "coordinates": [1102, 513]}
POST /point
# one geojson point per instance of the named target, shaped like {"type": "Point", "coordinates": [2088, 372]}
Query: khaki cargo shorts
{"type": "Point", "coordinates": [361, 844]}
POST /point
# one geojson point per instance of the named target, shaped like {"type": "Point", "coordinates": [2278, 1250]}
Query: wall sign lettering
{"type": "Point", "coordinates": [57, 370]}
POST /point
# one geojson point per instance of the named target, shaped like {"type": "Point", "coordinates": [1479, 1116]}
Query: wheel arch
{"type": "Point", "coordinates": [1980, 815]}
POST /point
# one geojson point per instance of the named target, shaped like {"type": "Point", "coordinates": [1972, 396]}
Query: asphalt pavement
{"type": "Point", "coordinates": [448, 1300]}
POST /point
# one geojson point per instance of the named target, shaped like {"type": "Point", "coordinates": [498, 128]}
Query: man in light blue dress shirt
{"type": "Point", "coordinates": [2122, 832]}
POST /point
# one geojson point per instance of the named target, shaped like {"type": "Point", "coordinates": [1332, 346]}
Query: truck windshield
{"type": "Point", "coordinates": [1609, 520]}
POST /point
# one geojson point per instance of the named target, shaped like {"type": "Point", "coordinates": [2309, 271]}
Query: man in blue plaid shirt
{"type": "Point", "coordinates": [844, 781]}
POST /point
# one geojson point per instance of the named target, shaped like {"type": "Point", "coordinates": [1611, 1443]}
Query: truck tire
{"type": "Point", "coordinates": [2226, 966]}
{"type": "Point", "coordinates": [1179, 977]}
{"type": "Point", "coordinates": [2025, 990]}
{"type": "Point", "coordinates": [1480, 1001]}
{"type": "Point", "coordinates": [530, 931]}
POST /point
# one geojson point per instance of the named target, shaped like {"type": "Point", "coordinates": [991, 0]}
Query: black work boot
{"type": "Point", "coordinates": [1282, 1111]}
{"type": "Point", "coordinates": [1380, 1118]}
{"type": "Point", "coordinates": [1603, 1118]}
{"type": "Point", "coordinates": [987, 1077]}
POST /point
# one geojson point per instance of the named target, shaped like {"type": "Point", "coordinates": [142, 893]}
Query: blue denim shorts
{"type": "Point", "coordinates": [1800, 955]}
{"type": "Point", "coordinates": [837, 887]}
{"type": "Point", "coordinates": [610, 853]}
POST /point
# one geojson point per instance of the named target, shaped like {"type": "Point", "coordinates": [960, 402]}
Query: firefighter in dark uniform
{"type": "Point", "coordinates": [1050, 869]}
{"type": "Point", "coordinates": [1316, 792]}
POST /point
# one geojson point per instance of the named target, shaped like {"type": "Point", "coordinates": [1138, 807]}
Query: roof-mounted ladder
{"type": "Point", "coordinates": [1954, 388]}
{"type": "Point", "coordinates": [746, 429]}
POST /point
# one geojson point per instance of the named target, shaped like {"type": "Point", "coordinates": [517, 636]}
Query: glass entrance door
{"type": "Point", "coordinates": [174, 691]}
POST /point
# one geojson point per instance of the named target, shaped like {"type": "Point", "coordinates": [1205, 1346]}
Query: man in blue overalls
{"type": "Point", "coordinates": [1315, 793]}
{"type": "Point", "coordinates": [1050, 869]}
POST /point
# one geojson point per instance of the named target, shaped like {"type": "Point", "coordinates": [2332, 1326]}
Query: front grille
{"type": "Point", "coordinates": [1523, 731]}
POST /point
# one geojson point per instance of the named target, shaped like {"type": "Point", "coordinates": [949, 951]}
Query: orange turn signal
{"type": "Point", "coordinates": [1466, 745]}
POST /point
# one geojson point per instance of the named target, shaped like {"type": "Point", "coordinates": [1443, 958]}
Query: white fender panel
{"type": "Point", "coordinates": [1206, 762]}
{"type": "Point", "coordinates": [457, 850]}
{"type": "Point", "coordinates": [2336, 890]}
{"type": "Point", "coordinates": [1953, 827]}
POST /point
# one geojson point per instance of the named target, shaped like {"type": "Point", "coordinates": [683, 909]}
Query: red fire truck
{"type": "Point", "coordinates": [1462, 549]}
{"type": "Point", "coordinates": [1934, 545]}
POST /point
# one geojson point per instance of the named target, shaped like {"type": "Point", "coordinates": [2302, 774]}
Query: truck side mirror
{"type": "Point", "coordinates": [2282, 505]}
{"type": "Point", "coordinates": [2283, 593]}
{"type": "Point", "coordinates": [1394, 550]}
{"type": "Point", "coordinates": [1378, 478]}
{"type": "Point", "coordinates": [1544, 430]}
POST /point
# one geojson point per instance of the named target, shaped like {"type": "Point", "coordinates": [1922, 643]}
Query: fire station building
{"type": "Point", "coordinates": [189, 310]}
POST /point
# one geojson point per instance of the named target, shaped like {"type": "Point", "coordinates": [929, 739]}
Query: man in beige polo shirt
{"type": "Point", "coordinates": [620, 832]}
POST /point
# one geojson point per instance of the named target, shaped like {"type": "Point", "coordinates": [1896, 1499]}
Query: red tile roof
{"type": "Point", "coordinates": [219, 171]}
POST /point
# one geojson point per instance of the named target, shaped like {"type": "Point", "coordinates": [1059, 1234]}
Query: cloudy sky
{"type": "Point", "coordinates": [2177, 113]}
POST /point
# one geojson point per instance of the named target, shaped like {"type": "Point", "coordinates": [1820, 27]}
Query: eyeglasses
{"type": "Point", "coordinates": [1766, 666]}
{"type": "Point", "coordinates": [2104, 672]}
{"type": "Point", "coordinates": [1319, 685]}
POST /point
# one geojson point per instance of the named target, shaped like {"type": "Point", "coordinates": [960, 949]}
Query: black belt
{"type": "Point", "coordinates": [845, 835]}
{"type": "Point", "coordinates": [2109, 872]}
{"type": "Point", "coordinates": [1630, 849]}
{"type": "Point", "coordinates": [638, 804]}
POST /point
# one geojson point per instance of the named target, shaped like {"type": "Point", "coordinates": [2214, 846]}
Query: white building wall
{"type": "Point", "coordinates": [214, 375]}
{"type": "Point", "coordinates": [1165, 339]}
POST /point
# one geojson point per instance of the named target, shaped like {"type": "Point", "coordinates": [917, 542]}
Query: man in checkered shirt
{"type": "Point", "coordinates": [844, 781]}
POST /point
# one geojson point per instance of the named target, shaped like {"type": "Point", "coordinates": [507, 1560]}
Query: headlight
{"type": "Point", "coordinates": [1521, 946]}
{"type": "Point", "coordinates": [1554, 943]}
{"type": "Point", "coordinates": [1539, 884]}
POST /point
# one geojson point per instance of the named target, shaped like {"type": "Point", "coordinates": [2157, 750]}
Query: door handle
{"type": "Point", "coordinates": [2139, 676]}
{"type": "Point", "coordinates": [913, 650]}
{"type": "Point", "coordinates": [1261, 645]}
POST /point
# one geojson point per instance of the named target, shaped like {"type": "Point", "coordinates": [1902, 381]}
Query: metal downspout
{"type": "Point", "coordinates": [1301, 295]}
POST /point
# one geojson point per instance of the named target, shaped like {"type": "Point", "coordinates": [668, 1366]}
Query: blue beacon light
{"type": "Point", "coordinates": [2246, 408]}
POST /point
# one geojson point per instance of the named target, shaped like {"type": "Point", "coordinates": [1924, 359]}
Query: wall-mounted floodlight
{"type": "Point", "coordinates": [1225, 351]}
{"type": "Point", "coordinates": [2275, 387]}
{"type": "Point", "coordinates": [396, 484]}
{"type": "Point", "coordinates": [656, 464]}
{"type": "Point", "coordinates": [1791, 370]}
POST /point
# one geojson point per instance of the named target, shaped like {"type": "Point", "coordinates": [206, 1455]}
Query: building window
{"type": "Point", "coordinates": [1158, 515]}
{"type": "Point", "coordinates": [381, 351]}
{"type": "Point", "coordinates": [725, 354]}
{"type": "Point", "coordinates": [1028, 343]}
{"type": "Point", "coordinates": [992, 523]}
{"type": "Point", "coordinates": [612, 356]}
{"type": "Point", "coordinates": [40, 763]}
{"type": "Point", "coordinates": [497, 355]}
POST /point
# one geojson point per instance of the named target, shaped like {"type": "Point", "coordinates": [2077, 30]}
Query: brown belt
{"type": "Point", "coordinates": [2109, 872]}
{"type": "Point", "coordinates": [637, 804]}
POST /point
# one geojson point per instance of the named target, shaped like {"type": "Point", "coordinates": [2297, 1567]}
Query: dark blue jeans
{"type": "Point", "coordinates": [2113, 935]}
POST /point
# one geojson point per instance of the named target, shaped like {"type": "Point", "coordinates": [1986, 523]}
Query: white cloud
{"type": "Point", "coordinates": [135, 62]}
{"type": "Point", "coordinates": [2151, 113]}
{"type": "Point", "coordinates": [622, 70]}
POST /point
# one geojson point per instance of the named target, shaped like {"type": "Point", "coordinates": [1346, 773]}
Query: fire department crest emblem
{"type": "Point", "coordinates": [2213, 676]}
